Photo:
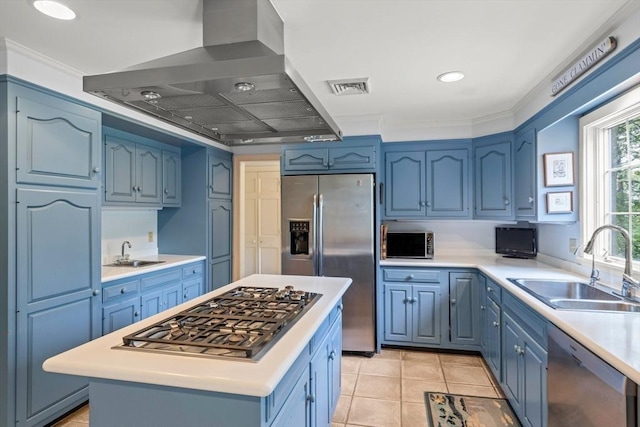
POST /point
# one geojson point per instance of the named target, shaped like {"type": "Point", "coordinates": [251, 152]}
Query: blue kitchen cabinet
{"type": "Point", "coordinates": [296, 410]}
{"type": "Point", "coordinates": [525, 183]}
{"type": "Point", "coordinates": [431, 183]}
{"type": "Point", "coordinates": [191, 288]}
{"type": "Point", "coordinates": [220, 220]}
{"type": "Point", "coordinates": [133, 170]}
{"type": "Point", "coordinates": [493, 177]}
{"type": "Point", "coordinates": [58, 143]}
{"type": "Point", "coordinates": [220, 176]}
{"type": "Point", "coordinates": [121, 313]}
{"type": "Point", "coordinates": [160, 291]}
{"type": "Point", "coordinates": [524, 357]}
{"type": "Point", "coordinates": [325, 377]}
{"type": "Point", "coordinates": [405, 188]}
{"type": "Point", "coordinates": [447, 183]}
{"type": "Point", "coordinates": [57, 300]}
{"type": "Point", "coordinates": [464, 308]}
{"type": "Point", "coordinates": [121, 304]}
{"type": "Point", "coordinates": [412, 302]}
{"type": "Point", "coordinates": [359, 155]}
{"type": "Point", "coordinates": [490, 322]}
{"type": "Point", "coordinates": [171, 178]}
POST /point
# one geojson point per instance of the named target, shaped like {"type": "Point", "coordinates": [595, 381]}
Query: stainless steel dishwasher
{"type": "Point", "coordinates": [583, 390]}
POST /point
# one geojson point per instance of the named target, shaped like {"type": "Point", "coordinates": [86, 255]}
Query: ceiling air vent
{"type": "Point", "coordinates": [350, 86]}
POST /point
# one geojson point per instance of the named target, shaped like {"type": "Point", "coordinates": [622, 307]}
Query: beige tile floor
{"type": "Point", "coordinates": [387, 390]}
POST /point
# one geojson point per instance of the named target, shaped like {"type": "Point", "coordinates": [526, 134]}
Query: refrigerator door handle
{"type": "Point", "coordinates": [320, 234]}
{"type": "Point", "coordinates": [314, 244]}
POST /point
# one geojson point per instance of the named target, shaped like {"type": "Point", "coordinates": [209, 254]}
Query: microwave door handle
{"type": "Point", "coordinates": [314, 234]}
{"type": "Point", "coordinates": [320, 236]}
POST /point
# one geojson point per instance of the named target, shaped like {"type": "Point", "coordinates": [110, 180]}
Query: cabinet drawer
{"type": "Point", "coordinates": [192, 270]}
{"type": "Point", "coordinates": [530, 321]}
{"type": "Point", "coordinates": [413, 275]}
{"type": "Point", "coordinates": [114, 291]}
{"type": "Point", "coordinates": [494, 291]}
{"type": "Point", "coordinates": [174, 275]}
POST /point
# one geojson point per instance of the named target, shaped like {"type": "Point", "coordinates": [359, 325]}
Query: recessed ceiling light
{"type": "Point", "coordinates": [54, 9]}
{"type": "Point", "coordinates": [451, 76]}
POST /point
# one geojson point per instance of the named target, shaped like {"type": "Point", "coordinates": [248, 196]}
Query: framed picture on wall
{"type": "Point", "coordinates": [558, 169]}
{"type": "Point", "coordinates": [560, 202]}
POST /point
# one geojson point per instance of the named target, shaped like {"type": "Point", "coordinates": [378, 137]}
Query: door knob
{"type": "Point", "coordinates": [96, 169]}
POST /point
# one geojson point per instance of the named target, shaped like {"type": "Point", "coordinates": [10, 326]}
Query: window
{"type": "Point", "coordinates": [610, 192]}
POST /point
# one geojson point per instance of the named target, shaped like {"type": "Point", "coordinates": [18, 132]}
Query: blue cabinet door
{"type": "Point", "coordinates": [148, 174]}
{"type": "Point", "coordinates": [447, 183]}
{"type": "Point", "coordinates": [511, 378]}
{"type": "Point", "coordinates": [534, 383]}
{"type": "Point", "coordinates": [120, 169]}
{"type": "Point", "coordinates": [524, 158]}
{"type": "Point", "coordinates": [220, 229]}
{"type": "Point", "coordinates": [352, 158]}
{"type": "Point", "coordinates": [464, 308]}
{"type": "Point", "coordinates": [308, 159]}
{"type": "Point", "coordinates": [58, 272]}
{"type": "Point", "coordinates": [398, 322]}
{"type": "Point", "coordinates": [220, 177]}
{"type": "Point", "coordinates": [405, 190]}
{"type": "Point", "coordinates": [57, 146]}
{"type": "Point", "coordinates": [493, 180]}
{"type": "Point", "coordinates": [120, 314]}
{"type": "Point", "coordinates": [171, 178]}
{"type": "Point", "coordinates": [151, 303]}
{"type": "Point", "coordinates": [425, 303]}
{"type": "Point", "coordinates": [493, 348]}
{"type": "Point", "coordinates": [191, 288]}
{"type": "Point", "coordinates": [296, 409]}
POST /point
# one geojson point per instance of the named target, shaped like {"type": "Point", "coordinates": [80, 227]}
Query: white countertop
{"type": "Point", "coordinates": [613, 336]}
{"type": "Point", "coordinates": [115, 273]}
{"type": "Point", "coordinates": [98, 359]}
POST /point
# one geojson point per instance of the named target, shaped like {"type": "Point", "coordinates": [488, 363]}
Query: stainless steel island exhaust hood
{"type": "Point", "coordinates": [239, 88]}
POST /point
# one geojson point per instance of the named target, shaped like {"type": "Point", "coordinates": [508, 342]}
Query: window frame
{"type": "Point", "coordinates": [594, 161]}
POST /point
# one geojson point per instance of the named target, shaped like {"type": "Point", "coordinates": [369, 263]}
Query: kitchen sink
{"type": "Point", "coordinates": [571, 295]}
{"type": "Point", "coordinates": [133, 263]}
{"type": "Point", "coordinates": [572, 304]}
{"type": "Point", "coordinates": [547, 289]}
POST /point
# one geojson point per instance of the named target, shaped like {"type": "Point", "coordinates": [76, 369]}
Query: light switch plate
{"type": "Point", "coordinates": [150, 236]}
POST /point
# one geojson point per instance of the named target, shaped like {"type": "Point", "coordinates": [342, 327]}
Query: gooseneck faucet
{"type": "Point", "coordinates": [629, 284]}
{"type": "Point", "coordinates": [126, 242]}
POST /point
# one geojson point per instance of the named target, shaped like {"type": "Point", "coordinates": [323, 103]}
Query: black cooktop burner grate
{"type": "Point", "coordinates": [240, 323]}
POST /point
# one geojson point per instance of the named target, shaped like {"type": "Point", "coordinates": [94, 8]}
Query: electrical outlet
{"type": "Point", "coordinates": [573, 245]}
{"type": "Point", "coordinates": [150, 236]}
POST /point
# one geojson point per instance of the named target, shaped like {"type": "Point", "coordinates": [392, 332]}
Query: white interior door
{"type": "Point", "coordinates": [261, 252]}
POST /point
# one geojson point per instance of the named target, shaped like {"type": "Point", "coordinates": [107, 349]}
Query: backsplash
{"type": "Point", "coordinates": [134, 226]}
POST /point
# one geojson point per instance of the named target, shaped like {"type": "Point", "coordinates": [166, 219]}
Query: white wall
{"type": "Point", "coordinates": [119, 225]}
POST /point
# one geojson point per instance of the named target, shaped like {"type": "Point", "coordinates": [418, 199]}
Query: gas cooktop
{"type": "Point", "coordinates": [241, 324]}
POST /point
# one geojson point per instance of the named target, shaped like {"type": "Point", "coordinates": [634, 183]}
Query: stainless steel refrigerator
{"type": "Point", "coordinates": [328, 230]}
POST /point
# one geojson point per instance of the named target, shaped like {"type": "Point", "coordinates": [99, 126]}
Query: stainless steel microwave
{"type": "Point", "coordinates": [407, 244]}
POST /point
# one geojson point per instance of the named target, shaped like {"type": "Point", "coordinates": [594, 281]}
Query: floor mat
{"type": "Point", "coordinates": [450, 410]}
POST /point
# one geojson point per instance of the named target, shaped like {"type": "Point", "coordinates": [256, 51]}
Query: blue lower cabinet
{"type": "Point", "coordinates": [296, 409]}
{"type": "Point", "coordinates": [412, 313]}
{"type": "Point", "coordinates": [464, 308]}
{"type": "Point", "coordinates": [524, 372]}
{"type": "Point", "coordinates": [120, 314]}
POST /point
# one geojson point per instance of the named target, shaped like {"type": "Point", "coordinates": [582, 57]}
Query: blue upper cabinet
{"type": "Point", "coordinates": [524, 158]}
{"type": "Point", "coordinates": [134, 171]}
{"type": "Point", "coordinates": [220, 176]}
{"type": "Point", "coordinates": [406, 187]}
{"type": "Point", "coordinates": [353, 154]}
{"type": "Point", "coordinates": [493, 175]}
{"type": "Point", "coordinates": [432, 183]}
{"type": "Point", "coordinates": [57, 145]}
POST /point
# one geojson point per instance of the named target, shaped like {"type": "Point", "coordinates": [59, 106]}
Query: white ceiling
{"type": "Point", "coordinates": [505, 47]}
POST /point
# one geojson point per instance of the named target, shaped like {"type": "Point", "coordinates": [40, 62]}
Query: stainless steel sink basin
{"type": "Point", "coordinates": [572, 304]}
{"type": "Point", "coordinates": [133, 263]}
{"type": "Point", "coordinates": [569, 295]}
{"type": "Point", "coordinates": [547, 289]}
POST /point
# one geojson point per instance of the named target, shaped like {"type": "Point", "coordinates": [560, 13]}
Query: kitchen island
{"type": "Point", "coordinates": [296, 381]}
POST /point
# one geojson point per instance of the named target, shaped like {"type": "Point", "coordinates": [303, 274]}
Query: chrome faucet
{"type": "Point", "coordinates": [629, 284]}
{"type": "Point", "coordinates": [126, 242]}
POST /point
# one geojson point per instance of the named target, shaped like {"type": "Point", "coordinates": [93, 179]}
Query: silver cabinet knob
{"type": "Point", "coordinates": [340, 307]}
{"type": "Point", "coordinates": [166, 191]}
{"type": "Point", "coordinates": [136, 314]}
{"type": "Point", "coordinates": [423, 204]}
{"type": "Point", "coordinates": [506, 201]}
{"type": "Point", "coordinates": [194, 271]}
{"type": "Point", "coordinates": [122, 290]}
{"type": "Point", "coordinates": [489, 289]}
{"type": "Point", "coordinates": [428, 204]}
{"type": "Point", "coordinates": [495, 324]}
{"type": "Point", "coordinates": [453, 301]}
{"type": "Point", "coordinates": [96, 169]}
{"type": "Point", "coordinates": [332, 355]}
{"type": "Point", "coordinates": [520, 351]}
{"type": "Point", "coordinates": [530, 199]}
{"type": "Point", "coordinates": [410, 277]}
{"type": "Point", "coordinates": [139, 188]}
{"type": "Point", "coordinates": [482, 307]}
{"type": "Point", "coordinates": [96, 292]}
